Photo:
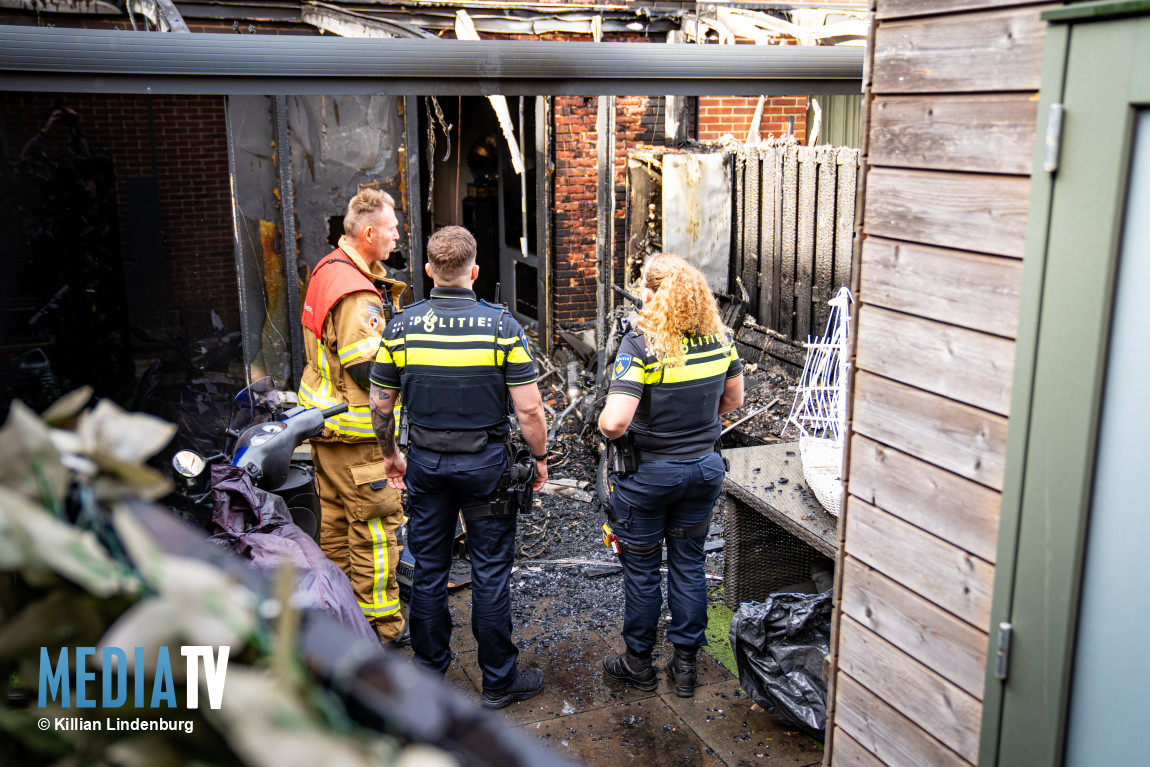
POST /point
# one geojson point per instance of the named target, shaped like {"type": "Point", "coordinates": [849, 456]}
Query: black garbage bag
{"type": "Point", "coordinates": [779, 648]}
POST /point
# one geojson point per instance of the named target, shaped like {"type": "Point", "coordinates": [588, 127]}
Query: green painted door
{"type": "Point", "coordinates": [1072, 686]}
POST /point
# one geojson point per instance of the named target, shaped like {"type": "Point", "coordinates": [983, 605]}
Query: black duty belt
{"type": "Point", "coordinates": [455, 440]}
{"type": "Point", "coordinates": [682, 533]}
{"type": "Point", "coordinates": [679, 533]}
{"type": "Point", "coordinates": [497, 509]}
{"type": "Point", "coordinates": [645, 456]}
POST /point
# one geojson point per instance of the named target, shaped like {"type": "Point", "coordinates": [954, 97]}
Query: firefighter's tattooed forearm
{"type": "Point", "coordinates": [383, 418]}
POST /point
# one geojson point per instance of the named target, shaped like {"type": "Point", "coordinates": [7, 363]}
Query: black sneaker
{"type": "Point", "coordinates": [681, 671]}
{"type": "Point", "coordinates": [626, 667]}
{"type": "Point", "coordinates": [528, 684]}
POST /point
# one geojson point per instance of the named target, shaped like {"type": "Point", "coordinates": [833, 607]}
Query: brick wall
{"type": "Point", "coordinates": [576, 178]}
{"type": "Point", "coordinates": [723, 115]}
{"type": "Point", "coordinates": [192, 179]}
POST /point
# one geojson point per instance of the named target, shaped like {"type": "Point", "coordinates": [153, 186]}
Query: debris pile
{"type": "Point", "coordinates": [563, 567]}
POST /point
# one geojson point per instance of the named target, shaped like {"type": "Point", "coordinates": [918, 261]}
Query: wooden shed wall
{"type": "Point", "coordinates": [949, 144]}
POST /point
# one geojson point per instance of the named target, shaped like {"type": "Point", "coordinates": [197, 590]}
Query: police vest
{"type": "Point", "coordinates": [452, 376]}
{"type": "Point", "coordinates": [679, 409]}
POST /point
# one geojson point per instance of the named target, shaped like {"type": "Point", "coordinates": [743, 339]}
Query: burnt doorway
{"type": "Point", "coordinates": [472, 178]}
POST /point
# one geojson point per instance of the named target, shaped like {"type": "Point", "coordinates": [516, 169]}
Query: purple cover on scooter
{"type": "Point", "coordinates": [257, 525]}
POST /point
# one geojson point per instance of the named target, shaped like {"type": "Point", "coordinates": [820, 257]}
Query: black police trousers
{"type": "Point", "coordinates": [439, 485]}
{"type": "Point", "coordinates": [658, 496]}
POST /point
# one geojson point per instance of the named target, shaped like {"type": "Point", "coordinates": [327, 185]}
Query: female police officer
{"type": "Point", "coordinates": [670, 382]}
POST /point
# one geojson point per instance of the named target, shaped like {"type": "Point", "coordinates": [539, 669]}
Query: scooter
{"type": "Point", "coordinates": [261, 440]}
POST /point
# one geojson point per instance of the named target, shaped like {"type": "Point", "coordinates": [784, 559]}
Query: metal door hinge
{"type": "Point", "coordinates": [1053, 137]}
{"type": "Point", "coordinates": [1002, 652]}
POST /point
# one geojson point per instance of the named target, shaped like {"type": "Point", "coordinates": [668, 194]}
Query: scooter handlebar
{"type": "Point", "coordinates": [328, 412]}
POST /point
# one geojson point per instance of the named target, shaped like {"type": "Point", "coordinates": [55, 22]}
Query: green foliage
{"type": "Point", "coordinates": [718, 631]}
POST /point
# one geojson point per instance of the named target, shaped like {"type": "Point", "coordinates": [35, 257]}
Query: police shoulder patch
{"type": "Point", "coordinates": [622, 364]}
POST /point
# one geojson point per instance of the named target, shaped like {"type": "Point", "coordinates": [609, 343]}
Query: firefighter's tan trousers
{"type": "Point", "coordinates": [358, 527]}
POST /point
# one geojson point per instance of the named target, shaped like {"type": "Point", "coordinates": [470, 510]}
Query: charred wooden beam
{"type": "Point", "coordinates": [162, 14]}
{"type": "Point", "coordinates": [344, 23]}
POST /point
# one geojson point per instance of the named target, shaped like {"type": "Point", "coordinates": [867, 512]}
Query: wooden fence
{"type": "Point", "coordinates": [794, 220]}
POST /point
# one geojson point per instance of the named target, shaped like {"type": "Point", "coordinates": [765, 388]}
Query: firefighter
{"type": "Point", "coordinates": [344, 315]}
{"type": "Point", "coordinates": [455, 358]}
{"type": "Point", "coordinates": [671, 381]}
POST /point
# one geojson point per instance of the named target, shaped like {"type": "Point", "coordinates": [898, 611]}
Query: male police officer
{"type": "Point", "coordinates": [343, 319]}
{"type": "Point", "coordinates": [455, 358]}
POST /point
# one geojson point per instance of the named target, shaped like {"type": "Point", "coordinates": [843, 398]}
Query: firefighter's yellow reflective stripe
{"type": "Point", "coordinates": [309, 397]}
{"type": "Point", "coordinates": [324, 368]}
{"type": "Point", "coordinates": [365, 348]}
{"type": "Point", "coordinates": [350, 430]}
{"type": "Point", "coordinates": [355, 422]}
{"type": "Point", "coordinates": [379, 605]}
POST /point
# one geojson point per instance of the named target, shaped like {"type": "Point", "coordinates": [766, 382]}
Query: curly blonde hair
{"type": "Point", "coordinates": [683, 306]}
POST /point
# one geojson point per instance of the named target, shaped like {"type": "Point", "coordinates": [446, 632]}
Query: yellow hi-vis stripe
{"type": "Point", "coordinates": [365, 348]}
{"type": "Point", "coordinates": [324, 369]}
{"type": "Point", "coordinates": [379, 606]}
{"type": "Point", "coordinates": [697, 370]}
{"type": "Point", "coordinates": [450, 358]}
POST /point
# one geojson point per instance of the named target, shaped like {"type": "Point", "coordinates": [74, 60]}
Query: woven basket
{"type": "Point", "coordinates": [822, 470]}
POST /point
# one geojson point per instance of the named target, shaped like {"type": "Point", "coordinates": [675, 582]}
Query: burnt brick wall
{"type": "Point", "coordinates": [576, 177]}
{"type": "Point", "coordinates": [191, 163]}
{"type": "Point", "coordinates": [722, 115]}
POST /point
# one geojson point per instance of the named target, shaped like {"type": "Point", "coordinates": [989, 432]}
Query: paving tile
{"type": "Point", "coordinates": [641, 732]}
{"type": "Point", "coordinates": [721, 715]}
{"type": "Point", "coordinates": [573, 677]}
{"type": "Point", "coordinates": [459, 680]}
{"type": "Point", "coordinates": [459, 603]}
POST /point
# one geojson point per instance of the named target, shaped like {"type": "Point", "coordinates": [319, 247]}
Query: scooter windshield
{"type": "Point", "coordinates": [253, 405]}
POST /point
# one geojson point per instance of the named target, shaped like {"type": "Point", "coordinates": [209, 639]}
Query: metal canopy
{"type": "Point", "coordinates": [107, 61]}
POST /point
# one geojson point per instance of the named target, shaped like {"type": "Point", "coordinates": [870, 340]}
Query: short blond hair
{"type": "Point", "coordinates": [451, 253]}
{"type": "Point", "coordinates": [365, 208]}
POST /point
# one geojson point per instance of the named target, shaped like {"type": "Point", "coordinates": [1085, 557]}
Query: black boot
{"type": "Point", "coordinates": [681, 671]}
{"type": "Point", "coordinates": [628, 667]}
{"type": "Point", "coordinates": [404, 638]}
{"type": "Point", "coordinates": [528, 684]}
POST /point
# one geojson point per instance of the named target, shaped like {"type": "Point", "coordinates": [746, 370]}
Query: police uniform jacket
{"type": "Point", "coordinates": [344, 303]}
{"type": "Point", "coordinates": [453, 357]}
{"type": "Point", "coordinates": [678, 412]}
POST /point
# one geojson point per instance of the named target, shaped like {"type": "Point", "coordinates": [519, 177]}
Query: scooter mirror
{"type": "Point", "coordinates": [188, 464]}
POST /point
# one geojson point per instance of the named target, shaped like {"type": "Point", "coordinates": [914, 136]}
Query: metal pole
{"type": "Point", "coordinates": [605, 228]}
{"type": "Point", "coordinates": [414, 200]}
{"type": "Point", "coordinates": [543, 182]}
{"type": "Point", "coordinates": [237, 244]}
{"type": "Point", "coordinates": [287, 217]}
